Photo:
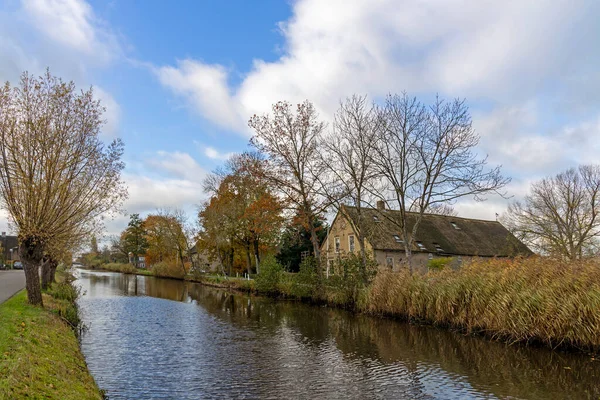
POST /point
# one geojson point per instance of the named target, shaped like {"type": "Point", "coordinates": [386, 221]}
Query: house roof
{"type": "Point", "coordinates": [439, 234]}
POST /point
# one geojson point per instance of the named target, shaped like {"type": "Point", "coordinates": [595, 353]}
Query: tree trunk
{"type": "Point", "coordinates": [31, 253]}
{"type": "Point", "coordinates": [256, 255]}
{"type": "Point", "coordinates": [231, 255]}
{"type": "Point", "coordinates": [248, 258]}
{"type": "Point", "coordinates": [363, 256]}
{"type": "Point", "coordinates": [316, 248]}
{"type": "Point", "coordinates": [47, 275]}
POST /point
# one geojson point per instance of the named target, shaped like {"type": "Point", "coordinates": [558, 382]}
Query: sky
{"type": "Point", "coordinates": [180, 80]}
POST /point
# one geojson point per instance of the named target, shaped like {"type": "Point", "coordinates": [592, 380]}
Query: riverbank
{"type": "Point", "coordinates": [533, 301]}
{"type": "Point", "coordinates": [39, 351]}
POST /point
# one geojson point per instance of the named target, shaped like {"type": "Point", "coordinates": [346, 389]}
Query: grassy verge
{"type": "Point", "coordinates": [39, 353]}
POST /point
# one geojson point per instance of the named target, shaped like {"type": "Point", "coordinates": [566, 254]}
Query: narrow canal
{"type": "Point", "coordinates": [152, 338]}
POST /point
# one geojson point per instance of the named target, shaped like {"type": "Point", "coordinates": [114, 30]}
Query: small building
{"type": "Point", "coordinates": [437, 236]}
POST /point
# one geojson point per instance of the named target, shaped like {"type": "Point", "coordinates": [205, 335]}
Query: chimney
{"type": "Point", "coordinates": [380, 205]}
{"type": "Point", "coordinates": [3, 234]}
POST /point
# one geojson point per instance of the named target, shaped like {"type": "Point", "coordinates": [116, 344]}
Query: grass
{"type": "Point", "coordinates": [533, 300]}
{"type": "Point", "coordinates": [39, 353]}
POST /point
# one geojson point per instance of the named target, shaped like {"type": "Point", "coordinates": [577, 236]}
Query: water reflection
{"type": "Point", "coordinates": [211, 343]}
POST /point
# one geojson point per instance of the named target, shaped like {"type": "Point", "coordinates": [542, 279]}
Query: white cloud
{"type": "Point", "coordinates": [64, 35]}
{"type": "Point", "coordinates": [178, 165]}
{"type": "Point", "coordinates": [72, 23]}
{"type": "Point", "coordinates": [205, 87]}
{"type": "Point", "coordinates": [336, 48]}
{"type": "Point", "coordinates": [214, 154]}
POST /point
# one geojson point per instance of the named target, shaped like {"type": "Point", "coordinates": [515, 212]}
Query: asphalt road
{"type": "Point", "coordinates": [10, 283]}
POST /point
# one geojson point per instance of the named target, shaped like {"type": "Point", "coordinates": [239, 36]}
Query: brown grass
{"type": "Point", "coordinates": [523, 300]}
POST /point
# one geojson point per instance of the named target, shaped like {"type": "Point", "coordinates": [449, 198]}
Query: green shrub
{"type": "Point", "coordinates": [438, 264]}
{"type": "Point", "coordinates": [352, 276]}
{"type": "Point", "coordinates": [65, 291]}
{"type": "Point", "coordinates": [267, 281]}
{"type": "Point", "coordinates": [306, 283]}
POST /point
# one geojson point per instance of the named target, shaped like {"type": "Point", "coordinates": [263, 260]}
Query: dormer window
{"type": "Point", "coordinates": [375, 218]}
{"type": "Point", "coordinates": [455, 226]}
{"type": "Point", "coordinates": [438, 248]}
{"type": "Point", "coordinates": [398, 239]}
{"type": "Point", "coordinates": [421, 246]}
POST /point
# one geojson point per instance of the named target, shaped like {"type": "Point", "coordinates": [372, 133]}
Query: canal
{"type": "Point", "coordinates": [152, 338]}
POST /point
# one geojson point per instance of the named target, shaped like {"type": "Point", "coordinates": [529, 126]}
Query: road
{"type": "Point", "coordinates": [10, 283]}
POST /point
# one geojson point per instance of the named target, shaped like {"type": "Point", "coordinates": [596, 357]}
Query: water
{"type": "Point", "coordinates": [152, 338]}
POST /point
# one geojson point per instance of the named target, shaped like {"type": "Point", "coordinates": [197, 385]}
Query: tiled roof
{"type": "Point", "coordinates": [439, 234]}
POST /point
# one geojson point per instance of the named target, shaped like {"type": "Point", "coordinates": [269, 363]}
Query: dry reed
{"type": "Point", "coordinates": [523, 300]}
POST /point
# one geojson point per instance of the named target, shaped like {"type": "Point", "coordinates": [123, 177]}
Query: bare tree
{"type": "Point", "coordinates": [559, 216]}
{"type": "Point", "coordinates": [55, 172]}
{"type": "Point", "coordinates": [347, 157]}
{"type": "Point", "coordinates": [425, 157]}
{"type": "Point", "coordinates": [290, 140]}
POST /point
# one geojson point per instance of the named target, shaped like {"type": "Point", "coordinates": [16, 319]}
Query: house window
{"type": "Point", "coordinates": [337, 244]}
{"type": "Point", "coordinates": [331, 268]}
{"type": "Point", "coordinates": [389, 261]}
{"type": "Point", "coordinates": [375, 218]}
{"type": "Point", "coordinates": [438, 247]}
{"type": "Point", "coordinates": [398, 239]}
{"type": "Point", "coordinates": [430, 256]}
{"type": "Point", "coordinates": [421, 246]}
{"type": "Point", "coordinates": [455, 226]}
{"type": "Point", "coordinates": [459, 259]}
{"type": "Point", "coordinates": [351, 243]}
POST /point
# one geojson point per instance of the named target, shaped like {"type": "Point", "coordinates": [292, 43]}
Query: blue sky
{"type": "Point", "coordinates": [180, 79]}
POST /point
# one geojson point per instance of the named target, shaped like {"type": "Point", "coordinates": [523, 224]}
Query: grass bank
{"type": "Point", "coordinates": [39, 352]}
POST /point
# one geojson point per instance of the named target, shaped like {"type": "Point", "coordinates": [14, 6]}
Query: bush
{"type": "Point", "coordinates": [166, 269]}
{"type": "Point", "coordinates": [351, 278]}
{"type": "Point", "coordinates": [306, 283]}
{"type": "Point", "coordinates": [65, 291]}
{"type": "Point", "coordinates": [267, 281]}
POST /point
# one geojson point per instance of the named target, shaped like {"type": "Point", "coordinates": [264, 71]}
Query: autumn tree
{"type": "Point", "coordinates": [134, 238]}
{"type": "Point", "coordinates": [290, 141]}
{"type": "Point", "coordinates": [55, 172]}
{"type": "Point", "coordinates": [426, 158]}
{"type": "Point", "coordinates": [245, 200]}
{"type": "Point", "coordinates": [560, 214]}
{"type": "Point", "coordinates": [167, 236]}
{"type": "Point", "coordinates": [216, 235]}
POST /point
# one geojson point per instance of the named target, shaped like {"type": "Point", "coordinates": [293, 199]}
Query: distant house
{"type": "Point", "coordinates": [437, 236]}
{"type": "Point", "coordinates": [10, 248]}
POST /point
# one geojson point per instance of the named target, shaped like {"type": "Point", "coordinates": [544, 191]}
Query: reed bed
{"type": "Point", "coordinates": [552, 302]}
